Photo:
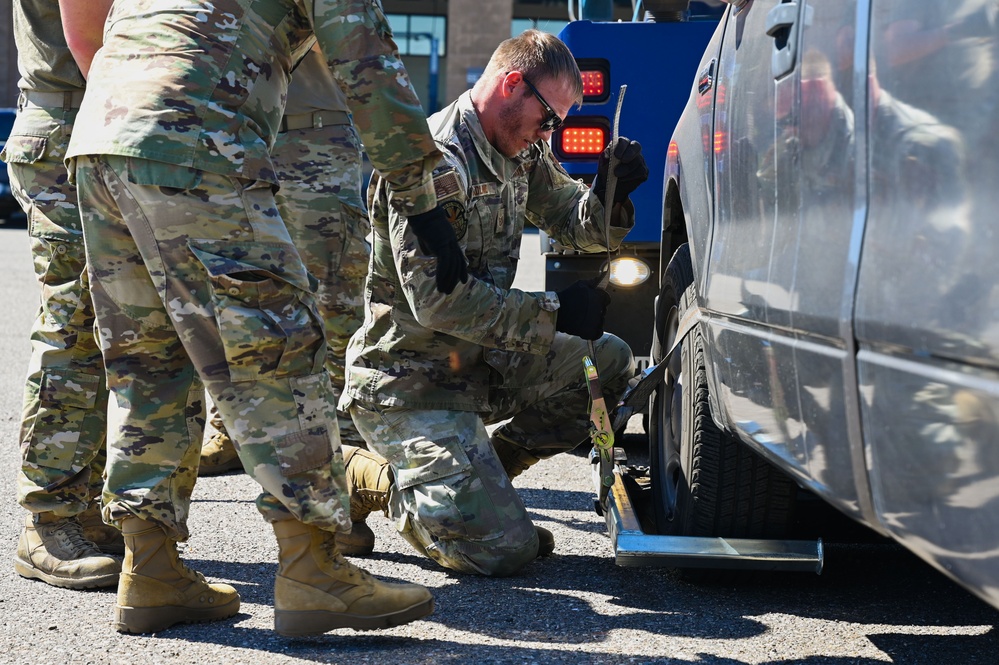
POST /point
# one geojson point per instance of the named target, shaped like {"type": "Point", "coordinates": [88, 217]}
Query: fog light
{"type": "Point", "coordinates": [628, 271]}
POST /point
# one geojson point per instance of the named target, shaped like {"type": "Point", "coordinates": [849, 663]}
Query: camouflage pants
{"type": "Point", "coordinates": [193, 275]}
{"type": "Point", "coordinates": [451, 498]}
{"type": "Point", "coordinates": [65, 402]}
{"type": "Point", "coordinates": [322, 204]}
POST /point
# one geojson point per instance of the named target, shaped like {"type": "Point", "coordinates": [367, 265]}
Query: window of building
{"type": "Point", "coordinates": [543, 24]}
{"type": "Point", "coordinates": [414, 33]}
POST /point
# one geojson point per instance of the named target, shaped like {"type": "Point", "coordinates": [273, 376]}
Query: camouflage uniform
{"type": "Point", "coordinates": [427, 371]}
{"type": "Point", "coordinates": [317, 155]}
{"type": "Point", "coordinates": [65, 401]}
{"type": "Point", "coordinates": [176, 170]}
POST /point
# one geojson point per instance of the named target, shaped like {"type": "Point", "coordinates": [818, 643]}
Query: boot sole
{"type": "Point", "coordinates": [290, 623]}
{"type": "Point", "coordinates": [137, 620]}
{"type": "Point", "coordinates": [25, 569]}
{"type": "Point", "coordinates": [354, 549]}
{"type": "Point", "coordinates": [235, 465]}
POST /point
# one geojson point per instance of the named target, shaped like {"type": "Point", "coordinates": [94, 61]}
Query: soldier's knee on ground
{"type": "Point", "coordinates": [496, 557]}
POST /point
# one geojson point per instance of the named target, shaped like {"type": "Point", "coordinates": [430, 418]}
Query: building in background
{"type": "Point", "coordinates": [465, 32]}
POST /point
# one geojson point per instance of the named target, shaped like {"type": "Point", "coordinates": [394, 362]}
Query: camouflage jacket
{"type": "Point", "coordinates": [313, 87]}
{"type": "Point", "coordinates": [43, 60]}
{"type": "Point", "coordinates": [422, 349]}
{"type": "Point", "coordinates": [202, 84]}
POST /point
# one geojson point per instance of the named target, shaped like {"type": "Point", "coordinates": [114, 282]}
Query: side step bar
{"type": "Point", "coordinates": [633, 547]}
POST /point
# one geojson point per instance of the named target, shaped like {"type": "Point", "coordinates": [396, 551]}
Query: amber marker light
{"type": "Point", "coordinates": [582, 140]}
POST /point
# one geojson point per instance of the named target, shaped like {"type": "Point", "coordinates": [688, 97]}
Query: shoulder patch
{"type": "Point", "coordinates": [446, 184]}
{"type": "Point", "coordinates": [456, 216]}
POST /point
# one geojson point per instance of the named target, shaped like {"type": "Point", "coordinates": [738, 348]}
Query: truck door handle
{"type": "Point", "coordinates": [782, 25]}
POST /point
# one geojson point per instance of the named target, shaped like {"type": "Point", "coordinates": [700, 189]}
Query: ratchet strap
{"type": "Point", "coordinates": [601, 430]}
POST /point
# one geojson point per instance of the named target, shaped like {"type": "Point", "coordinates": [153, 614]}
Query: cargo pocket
{"type": "Point", "coordinates": [39, 191]}
{"type": "Point", "coordinates": [66, 394]}
{"type": "Point", "coordinates": [22, 149]}
{"type": "Point", "coordinates": [303, 451]}
{"type": "Point", "coordinates": [265, 313]}
{"type": "Point", "coordinates": [432, 486]}
{"type": "Point", "coordinates": [432, 460]}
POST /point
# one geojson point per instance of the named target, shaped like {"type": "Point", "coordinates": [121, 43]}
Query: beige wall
{"type": "Point", "coordinates": [474, 30]}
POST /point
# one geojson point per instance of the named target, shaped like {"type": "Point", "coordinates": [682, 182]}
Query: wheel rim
{"type": "Point", "coordinates": [670, 410]}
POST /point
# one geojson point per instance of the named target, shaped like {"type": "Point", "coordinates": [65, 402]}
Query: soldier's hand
{"type": "Point", "coordinates": [581, 311]}
{"type": "Point", "coordinates": [631, 170]}
{"type": "Point", "coordinates": [436, 238]}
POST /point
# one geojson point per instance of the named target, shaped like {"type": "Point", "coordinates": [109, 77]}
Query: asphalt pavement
{"type": "Point", "coordinates": [872, 604]}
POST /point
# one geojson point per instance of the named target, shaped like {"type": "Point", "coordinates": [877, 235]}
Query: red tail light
{"type": "Point", "coordinates": [582, 140]}
{"type": "Point", "coordinates": [594, 84]}
{"type": "Point", "coordinates": [596, 79]}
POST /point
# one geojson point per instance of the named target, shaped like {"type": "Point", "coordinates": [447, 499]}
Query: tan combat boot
{"type": "Point", "coordinates": [515, 461]}
{"type": "Point", "coordinates": [316, 590]}
{"type": "Point", "coordinates": [218, 456]}
{"type": "Point", "coordinates": [369, 479]}
{"type": "Point", "coordinates": [54, 550]}
{"type": "Point", "coordinates": [106, 537]}
{"type": "Point", "coordinates": [157, 590]}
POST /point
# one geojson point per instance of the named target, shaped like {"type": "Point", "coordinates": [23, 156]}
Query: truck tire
{"type": "Point", "coordinates": [705, 482]}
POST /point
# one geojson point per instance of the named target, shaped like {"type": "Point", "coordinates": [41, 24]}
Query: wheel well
{"type": "Point", "coordinates": [674, 232]}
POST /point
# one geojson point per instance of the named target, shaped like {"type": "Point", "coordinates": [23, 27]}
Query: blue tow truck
{"type": "Point", "coordinates": [656, 59]}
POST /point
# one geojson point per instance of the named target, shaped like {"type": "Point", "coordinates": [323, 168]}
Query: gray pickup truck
{"type": "Point", "coordinates": [828, 320]}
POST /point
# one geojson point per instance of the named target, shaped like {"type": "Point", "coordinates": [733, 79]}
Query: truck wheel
{"type": "Point", "coordinates": [705, 482]}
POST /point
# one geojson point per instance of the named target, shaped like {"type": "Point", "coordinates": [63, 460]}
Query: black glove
{"type": "Point", "coordinates": [581, 310]}
{"type": "Point", "coordinates": [631, 170]}
{"type": "Point", "coordinates": [436, 238]}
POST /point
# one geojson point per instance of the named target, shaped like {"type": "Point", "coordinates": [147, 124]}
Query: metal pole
{"type": "Point", "coordinates": [432, 82]}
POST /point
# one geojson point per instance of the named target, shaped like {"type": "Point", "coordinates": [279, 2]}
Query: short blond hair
{"type": "Point", "coordinates": [539, 56]}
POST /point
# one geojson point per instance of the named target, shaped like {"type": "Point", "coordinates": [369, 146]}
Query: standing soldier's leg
{"type": "Point", "coordinates": [219, 270]}
{"type": "Point", "coordinates": [321, 203]}
{"type": "Point", "coordinates": [65, 402]}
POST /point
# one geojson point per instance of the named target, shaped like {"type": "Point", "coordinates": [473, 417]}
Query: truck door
{"type": "Point", "coordinates": [780, 267]}
{"type": "Point", "coordinates": [818, 235]}
{"type": "Point", "coordinates": [748, 278]}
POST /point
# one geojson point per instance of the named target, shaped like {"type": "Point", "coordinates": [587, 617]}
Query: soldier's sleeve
{"type": "Point", "coordinates": [568, 212]}
{"type": "Point", "coordinates": [356, 40]}
{"type": "Point", "coordinates": [476, 311]}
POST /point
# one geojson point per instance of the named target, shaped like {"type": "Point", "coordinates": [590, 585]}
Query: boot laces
{"type": "Point", "coordinates": [70, 535]}
{"type": "Point", "coordinates": [337, 559]}
{"type": "Point", "coordinates": [364, 502]}
{"type": "Point", "coordinates": [192, 575]}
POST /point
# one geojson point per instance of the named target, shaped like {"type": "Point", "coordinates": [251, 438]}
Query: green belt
{"type": "Point", "coordinates": [52, 100]}
{"type": "Point", "coordinates": [314, 120]}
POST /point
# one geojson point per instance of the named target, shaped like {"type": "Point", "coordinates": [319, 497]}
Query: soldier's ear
{"type": "Point", "coordinates": [511, 80]}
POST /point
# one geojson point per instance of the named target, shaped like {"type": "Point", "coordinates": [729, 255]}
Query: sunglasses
{"type": "Point", "coordinates": [552, 122]}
